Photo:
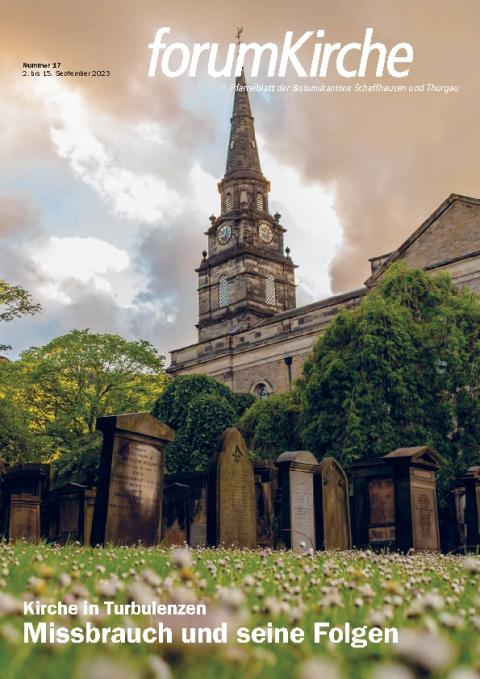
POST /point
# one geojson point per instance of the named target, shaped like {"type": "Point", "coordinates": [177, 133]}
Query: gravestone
{"type": "Point", "coordinates": [175, 514]}
{"type": "Point", "coordinates": [332, 503]}
{"type": "Point", "coordinates": [467, 508]}
{"type": "Point", "coordinates": [394, 500]}
{"type": "Point", "coordinates": [25, 497]}
{"type": "Point", "coordinates": [198, 517]}
{"type": "Point", "coordinates": [71, 513]}
{"type": "Point", "coordinates": [231, 493]}
{"type": "Point", "coordinates": [128, 504]}
{"type": "Point", "coordinates": [266, 483]}
{"type": "Point", "coordinates": [295, 500]}
{"type": "Point", "coordinates": [185, 509]}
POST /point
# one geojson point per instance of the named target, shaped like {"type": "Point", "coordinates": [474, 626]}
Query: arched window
{"type": "Point", "coordinates": [228, 201]}
{"type": "Point", "coordinates": [270, 294]}
{"type": "Point", "coordinates": [261, 390]}
{"type": "Point", "coordinates": [223, 291]}
{"type": "Point", "coordinates": [259, 201]}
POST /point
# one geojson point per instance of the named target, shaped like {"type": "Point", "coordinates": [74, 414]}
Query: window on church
{"type": "Point", "coordinates": [223, 291]}
{"type": "Point", "coordinates": [228, 201]}
{"type": "Point", "coordinates": [259, 201]}
{"type": "Point", "coordinates": [270, 294]}
{"type": "Point", "coordinates": [261, 390]}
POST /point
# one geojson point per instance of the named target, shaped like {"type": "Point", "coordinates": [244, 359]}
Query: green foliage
{"type": "Point", "coordinates": [403, 369]}
{"type": "Point", "coordinates": [207, 417]}
{"type": "Point", "coordinates": [270, 426]}
{"type": "Point", "coordinates": [60, 389]}
{"type": "Point", "coordinates": [15, 301]}
{"type": "Point", "coordinates": [198, 408]}
{"type": "Point", "coordinates": [80, 461]}
{"type": "Point", "coordinates": [16, 439]}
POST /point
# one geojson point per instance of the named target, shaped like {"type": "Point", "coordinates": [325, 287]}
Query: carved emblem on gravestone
{"type": "Point", "coordinates": [237, 454]}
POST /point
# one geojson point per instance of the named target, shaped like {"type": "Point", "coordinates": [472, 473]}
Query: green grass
{"type": "Point", "coordinates": [436, 597]}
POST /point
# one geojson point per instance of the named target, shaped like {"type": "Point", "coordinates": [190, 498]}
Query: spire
{"type": "Point", "coordinates": [242, 159]}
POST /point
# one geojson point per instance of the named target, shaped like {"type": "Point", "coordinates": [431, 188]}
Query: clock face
{"type": "Point", "coordinates": [265, 232]}
{"type": "Point", "coordinates": [224, 233]}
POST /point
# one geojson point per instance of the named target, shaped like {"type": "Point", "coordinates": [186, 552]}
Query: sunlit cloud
{"type": "Point", "coordinates": [132, 195]}
{"type": "Point", "coordinates": [68, 260]}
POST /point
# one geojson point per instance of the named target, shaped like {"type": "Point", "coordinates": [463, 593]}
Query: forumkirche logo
{"type": "Point", "coordinates": [348, 61]}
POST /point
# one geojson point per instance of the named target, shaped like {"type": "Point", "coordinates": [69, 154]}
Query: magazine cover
{"type": "Point", "coordinates": [240, 339]}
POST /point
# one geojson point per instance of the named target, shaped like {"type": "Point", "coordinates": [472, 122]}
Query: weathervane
{"type": "Point", "coordinates": [239, 33]}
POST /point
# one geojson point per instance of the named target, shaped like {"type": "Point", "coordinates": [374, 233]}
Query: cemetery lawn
{"type": "Point", "coordinates": [433, 600]}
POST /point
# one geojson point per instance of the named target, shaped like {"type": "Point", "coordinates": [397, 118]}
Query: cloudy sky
{"type": "Point", "coordinates": [106, 185]}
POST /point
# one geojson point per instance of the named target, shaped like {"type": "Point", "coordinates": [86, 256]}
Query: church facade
{"type": "Point", "coordinates": [251, 334]}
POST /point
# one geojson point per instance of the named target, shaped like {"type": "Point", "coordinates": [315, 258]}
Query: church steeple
{"type": "Point", "coordinates": [242, 158]}
{"type": "Point", "coordinates": [243, 184]}
{"type": "Point", "coordinates": [246, 275]}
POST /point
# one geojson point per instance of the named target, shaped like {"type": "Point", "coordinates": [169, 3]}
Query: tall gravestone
{"type": "Point", "coordinates": [71, 513]}
{"type": "Point", "coordinates": [185, 509]}
{"type": "Point", "coordinates": [231, 494]}
{"type": "Point", "coordinates": [467, 508]}
{"type": "Point", "coordinates": [394, 500]}
{"type": "Point", "coordinates": [332, 504]}
{"type": "Point", "coordinates": [128, 504]}
{"type": "Point", "coordinates": [266, 483]}
{"type": "Point", "coordinates": [25, 498]}
{"type": "Point", "coordinates": [295, 499]}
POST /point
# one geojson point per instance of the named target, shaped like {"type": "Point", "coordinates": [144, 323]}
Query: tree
{"type": "Point", "coordinates": [270, 426]}
{"type": "Point", "coordinates": [206, 418]}
{"type": "Point", "coordinates": [16, 438]}
{"type": "Point", "coordinates": [401, 370]}
{"type": "Point", "coordinates": [199, 409]}
{"type": "Point", "coordinates": [67, 384]}
{"type": "Point", "coordinates": [15, 301]}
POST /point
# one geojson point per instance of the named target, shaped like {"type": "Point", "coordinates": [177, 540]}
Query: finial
{"type": "Point", "coordinates": [277, 216]}
{"type": "Point", "coordinates": [204, 254]}
{"type": "Point", "coordinates": [287, 251]}
{"type": "Point", "coordinates": [212, 218]}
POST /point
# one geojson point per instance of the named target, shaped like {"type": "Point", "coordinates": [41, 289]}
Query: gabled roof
{"type": "Point", "coordinates": [424, 454]}
{"type": "Point", "coordinates": [428, 224]}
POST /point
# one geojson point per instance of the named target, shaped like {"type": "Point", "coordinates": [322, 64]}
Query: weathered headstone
{"type": "Point", "coordinates": [394, 500]}
{"type": "Point", "coordinates": [295, 499]}
{"type": "Point", "coordinates": [71, 513]}
{"type": "Point", "coordinates": [266, 483]}
{"type": "Point", "coordinates": [128, 505]}
{"type": "Point", "coordinates": [332, 503]}
{"type": "Point", "coordinates": [467, 508]}
{"type": "Point", "coordinates": [25, 496]}
{"type": "Point", "coordinates": [231, 494]}
{"type": "Point", "coordinates": [185, 509]}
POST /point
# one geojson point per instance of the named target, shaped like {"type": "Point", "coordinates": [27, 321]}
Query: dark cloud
{"type": "Point", "coordinates": [167, 308]}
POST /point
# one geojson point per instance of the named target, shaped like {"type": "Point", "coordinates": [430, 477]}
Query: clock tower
{"type": "Point", "coordinates": [246, 275]}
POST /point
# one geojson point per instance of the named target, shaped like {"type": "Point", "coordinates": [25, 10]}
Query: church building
{"type": "Point", "coordinates": [251, 334]}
